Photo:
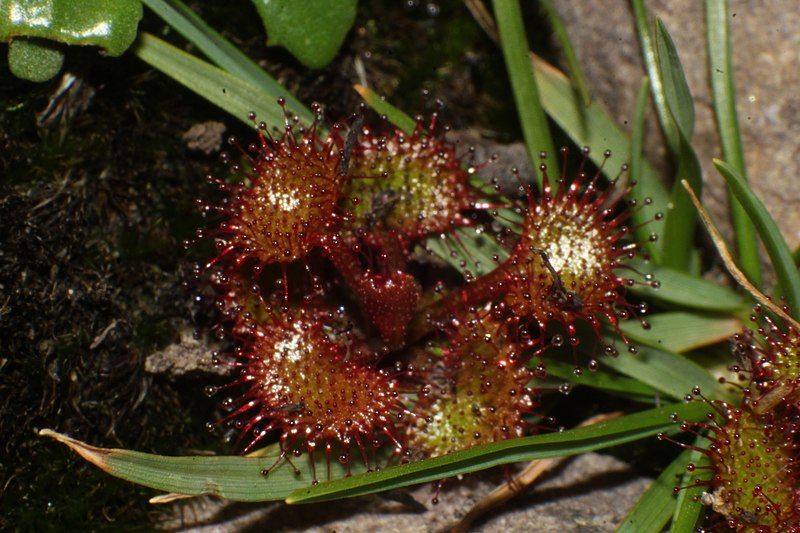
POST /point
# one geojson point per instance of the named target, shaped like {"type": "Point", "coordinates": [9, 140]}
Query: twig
{"type": "Point", "coordinates": [483, 18]}
{"type": "Point", "coordinates": [730, 263]}
{"type": "Point", "coordinates": [522, 481]}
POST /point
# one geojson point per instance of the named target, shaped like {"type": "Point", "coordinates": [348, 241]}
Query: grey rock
{"type": "Point", "coordinates": [495, 161]}
{"type": "Point", "coordinates": [205, 137]}
{"type": "Point", "coordinates": [184, 357]}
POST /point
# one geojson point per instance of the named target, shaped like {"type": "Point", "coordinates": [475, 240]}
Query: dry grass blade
{"type": "Point", "coordinates": [93, 454]}
{"type": "Point", "coordinates": [522, 481]}
{"type": "Point", "coordinates": [483, 18]}
{"type": "Point", "coordinates": [730, 262]}
{"type": "Point", "coordinates": [169, 498]}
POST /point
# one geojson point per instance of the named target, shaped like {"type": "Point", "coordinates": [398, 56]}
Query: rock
{"type": "Point", "coordinates": [205, 137]}
{"type": "Point", "coordinates": [495, 160]}
{"type": "Point", "coordinates": [184, 357]}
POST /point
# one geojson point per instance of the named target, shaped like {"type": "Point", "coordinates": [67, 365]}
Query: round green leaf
{"type": "Point", "coordinates": [312, 30]}
{"type": "Point", "coordinates": [109, 25]}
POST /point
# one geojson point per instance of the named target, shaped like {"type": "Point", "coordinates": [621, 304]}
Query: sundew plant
{"type": "Point", "coordinates": [390, 316]}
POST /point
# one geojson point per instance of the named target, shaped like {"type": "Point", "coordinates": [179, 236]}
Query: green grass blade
{"type": "Point", "coordinates": [651, 65]}
{"type": "Point", "coordinates": [591, 126]}
{"type": "Point", "coordinates": [657, 505]}
{"type": "Point", "coordinates": [523, 83]}
{"type": "Point", "coordinates": [681, 218]}
{"type": "Point", "coordinates": [680, 332]}
{"type": "Point", "coordinates": [576, 72]}
{"type": "Point", "coordinates": [602, 380]}
{"type": "Point", "coordinates": [720, 67]}
{"type": "Point", "coordinates": [228, 91]}
{"type": "Point", "coordinates": [680, 221]}
{"type": "Point", "coordinates": [471, 253]}
{"type": "Point", "coordinates": [676, 89]}
{"type": "Point", "coordinates": [689, 510]}
{"type": "Point", "coordinates": [672, 374]}
{"type": "Point", "coordinates": [778, 250]}
{"type": "Point", "coordinates": [223, 53]}
{"type": "Point", "coordinates": [571, 442]}
{"type": "Point", "coordinates": [232, 477]}
{"type": "Point", "coordinates": [384, 108]}
{"type": "Point", "coordinates": [637, 136]}
{"type": "Point", "coordinates": [681, 289]}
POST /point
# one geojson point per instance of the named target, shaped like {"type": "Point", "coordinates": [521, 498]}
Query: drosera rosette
{"type": "Point", "coordinates": [572, 244]}
{"type": "Point", "coordinates": [307, 375]}
{"type": "Point", "coordinates": [568, 252]}
{"type": "Point", "coordinates": [482, 392]}
{"type": "Point", "coordinates": [771, 358]}
{"type": "Point", "coordinates": [287, 202]}
{"type": "Point", "coordinates": [410, 184]}
{"type": "Point", "coordinates": [754, 466]}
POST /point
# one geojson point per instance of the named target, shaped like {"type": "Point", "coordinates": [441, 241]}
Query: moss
{"type": "Point", "coordinates": [80, 312]}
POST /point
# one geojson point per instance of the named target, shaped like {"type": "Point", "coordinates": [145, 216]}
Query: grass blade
{"type": "Point", "coordinates": [681, 219]}
{"type": "Point", "coordinates": [602, 380]}
{"type": "Point", "coordinates": [637, 136]}
{"type": "Point", "coordinates": [228, 91]}
{"type": "Point", "coordinates": [232, 477]}
{"type": "Point", "coordinates": [384, 108]}
{"type": "Point", "coordinates": [523, 83]}
{"type": "Point", "coordinates": [667, 372]}
{"type": "Point", "coordinates": [680, 332]}
{"type": "Point", "coordinates": [681, 289]}
{"type": "Point", "coordinates": [657, 505]}
{"type": "Point", "coordinates": [574, 66]}
{"type": "Point", "coordinates": [651, 65]}
{"type": "Point", "coordinates": [689, 510]}
{"type": "Point", "coordinates": [720, 67]}
{"type": "Point", "coordinates": [223, 53]}
{"type": "Point", "coordinates": [571, 442]}
{"type": "Point", "coordinates": [676, 89]}
{"type": "Point", "coordinates": [778, 250]}
{"type": "Point", "coordinates": [470, 252]}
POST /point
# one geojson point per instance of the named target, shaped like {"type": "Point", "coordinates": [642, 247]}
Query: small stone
{"type": "Point", "coordinates": [205, 137]}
